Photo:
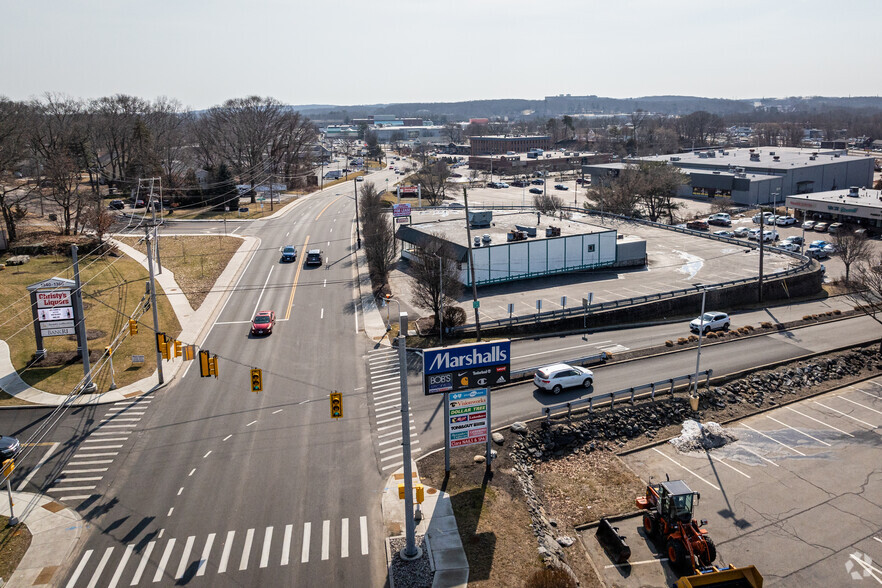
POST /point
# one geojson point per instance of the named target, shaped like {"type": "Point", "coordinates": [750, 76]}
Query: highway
{"type": "Point", "coordinates": [206, 483]}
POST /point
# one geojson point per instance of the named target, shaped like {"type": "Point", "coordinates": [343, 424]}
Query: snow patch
{"type": "Point", "coordinates": [696, 436]}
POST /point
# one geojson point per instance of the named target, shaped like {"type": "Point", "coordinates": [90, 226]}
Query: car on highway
{"type": "Point", "coordinates": [289, 253]}
{"type": "Point", "coordinates": [560, 187]}
{"type": "Point", "coordinates": [263, 322]}
{"type": "Point", "coordinates": [713, 321]}
{"type": "Point", "coordinates": [9, 447]}
{"type": "Point", "coordinates": [535, 190]}
{"type": "Point", "coordinates": [556, 377]}
{"type": "Point", "coordinates": [359, 179]}
{"type": "Point", "coordinates": [724, 233]}
{"type": "Point", "coordinates": [808, 225]}
{"type": "Point", "coordinates": [456, 205]}
{"type": "Point", "coordinates": [314, 257]}
{"type": "Point", "coordinates": [741, 231]}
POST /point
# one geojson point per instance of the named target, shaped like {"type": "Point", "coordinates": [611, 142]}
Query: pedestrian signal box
{"type": "Point", "coordinates": [256, 380]}
{"type": "Point", "coordinates": [336, 405]}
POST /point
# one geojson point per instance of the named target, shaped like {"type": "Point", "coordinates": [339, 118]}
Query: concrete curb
{"type": "Point", "coordinates": [55, 532]}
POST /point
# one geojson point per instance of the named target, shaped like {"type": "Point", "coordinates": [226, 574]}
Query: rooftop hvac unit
{"type": "Point", "coordinates": [516, 236]}
{"type": "Point", "coordinates": [812, 157]}
{"type": "Point", "coordinates": [854, 191]}
{"type": "Point", "coordinates": [777, 158]}
{"type": "Point", "coordinates": [771, 153]}
{"type": "Point", "coordinates": [480, 218]}
{"type": "Point", "coordinates": [552, 231]}
{"type": "Point", "coordinates": [529, 231]}
{"type": "Point", "coordinates": [675, 159]}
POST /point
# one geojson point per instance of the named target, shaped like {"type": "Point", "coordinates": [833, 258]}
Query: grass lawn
{"type": "Point", "coordinates": [14, 542]}
{"type": "Point", "coordinates": [196, 261]}
{"type": "Point", "coordinates": [112, 291]}
{"type": "Point", "coordinates": [254, 210]}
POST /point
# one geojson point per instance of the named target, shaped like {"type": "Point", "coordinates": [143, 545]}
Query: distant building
{"type": "Point", "coordinates": [861, 206]}
{"type": "Point", "coordinates": [502, 144]}
{"type": "Point", "coordinates": [389, 120]}
{"type": "Point", "coordinates": [756, 176]}
{"type": "Point", "coordinates": [423, 134]}
{"type": "Point", "coordinates": [525, 163]}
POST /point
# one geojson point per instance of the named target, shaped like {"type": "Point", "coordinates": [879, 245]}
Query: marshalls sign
{"type": "Point", "coordinates": [462, 367]}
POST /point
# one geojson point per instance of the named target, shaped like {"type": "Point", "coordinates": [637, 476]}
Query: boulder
{"type": "Point", "coordinates": [565, 541]}
{"type": "Point", "coordinates": [520, 428]}
{"type": "Point", "coordinates": [479, 459]}
{"type": "Point", "coordinates": [18, 260]}
{"type": "Point", "coordinates": [498, 438]}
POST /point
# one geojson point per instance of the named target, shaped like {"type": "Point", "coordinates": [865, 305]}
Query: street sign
{"type": "Point", "coordinates": [467, 417]}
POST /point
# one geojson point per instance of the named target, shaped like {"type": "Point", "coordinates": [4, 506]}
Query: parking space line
{"type": "Point", "coordinates": [817, 421]}
{"type": "Point", "coordinates": [773, 439]}
{"type": "Point", "coordinates": [877, 539]}
{"type": "Point", "coordinates": [846, 415]}
{"type": "Point", "coordinates": [870, 394]}
{"type": "Point", "coordinates": [714, 486]}
{"type": "Point", "coordinates": [636, 563]}
{"type": "Point", "coordinates": [858, 404]}
{"type": "Point", "coordinates": [798, 431]}
{"type": "Point", "coordinates": [727, 465]}
{"type": "Point", "coordinates": [869, 569]}
{"type": "Point", "coordinates": [759, 456]}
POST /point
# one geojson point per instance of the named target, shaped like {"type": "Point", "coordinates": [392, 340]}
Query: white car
{"type": "Point", "coordinates": [788, 246]}
{"type": "Point", "coordinates": [554, 378]}
{"type": "Point", "coordinates": [817, 252]}
{"type": "Point", "coordinates": [784, 221]}
{"type": "Point", "coordinates": [713, 321]}
{"type": "Point", "coordinates": [808, 225]}
{"type": "Point", "coordinates": [741, 231]}
{"type": "Point", "coordinates": [724, 233]}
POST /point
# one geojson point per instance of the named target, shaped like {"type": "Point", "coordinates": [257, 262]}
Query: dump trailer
{"type": "Point", "coordinates": [731, 577]}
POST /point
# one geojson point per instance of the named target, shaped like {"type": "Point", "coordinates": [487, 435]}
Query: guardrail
{"type": "Point", "coordinates": [631, 393]}
{"type": "Point", "coordinates": [804, 260]}
{"type": "Point", "coordinates": [599, 357]}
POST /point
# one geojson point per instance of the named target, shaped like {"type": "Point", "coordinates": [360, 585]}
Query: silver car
{"type": "Point", "coordinates": [554, 378]}
{"type": "Point", "coordinates": [712, 322]}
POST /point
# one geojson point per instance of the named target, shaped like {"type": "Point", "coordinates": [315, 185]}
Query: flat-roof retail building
{"type": "Point", "coordinates": [496, 144]}
{"type": "Point", "coordinates": [519, 246]}
{"type": "Point", "coordinates": [753, 176]}
{"type": "Point", "coordinates": [861, 206]}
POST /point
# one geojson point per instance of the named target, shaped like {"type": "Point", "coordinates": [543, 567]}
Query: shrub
{"type": "Point", "coordinates": [829, 313]}
{"type": "Point", "coordinates": [766, 325]}
{"type": "Point", "coordinates": [550, 578]}
{"type": "Point", "coordinates": [749, 328]}
{"type": "Point", "coordinates": [682, 341]}
{"type": "Point", "coordinates": [711, 335]}
{"type": "Point", "coordinates": [815, 316]}
{"type": "Point", "coordinates": [735, 333]}
{"type": "Point", "coordinates": [807, 317]}
{"type": "Point", "coordinates": [454, 316]}
{"type": "Point", "coordinates": [607, 356]}
{"type": "Point", "coordinates": [693, 338]}
{"type": "Point", "coordinates": [837, 312]}
{"type": "Point", "coordinates": [743, 330]}
{"type": "Point", "coordinates": [669, 343]}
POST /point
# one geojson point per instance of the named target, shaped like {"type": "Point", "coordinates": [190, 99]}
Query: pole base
{"type": "Point", "coordinates": [90, 388]}
{"type": "Point", "coordinates": [13, 521]}
{"type": "Point", "coordinates": [112, 387]}
{"type": "Point", "coordinates": [418, 554]}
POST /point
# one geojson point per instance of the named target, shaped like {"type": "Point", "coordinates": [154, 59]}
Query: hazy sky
{"type": "Point", "coordinates": [360, 52]}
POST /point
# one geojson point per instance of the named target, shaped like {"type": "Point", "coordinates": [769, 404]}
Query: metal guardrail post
{"type": "Point", "coordinates": [632, 396]}
{"type": "Point", "coordinates": [672, 386]}
{"type": "Point", "coordinates": [652, 391]}
{"type": "Point", "coordinates": [569, 410]}
{"type": "Point", "coordinates": [591, 404]}
{"type": "Point", "coordinates": [707, 375]}
{"type": "Point", "coordinates": [547, 414]}
{"type": "Point", "coordinates": [612, 400]}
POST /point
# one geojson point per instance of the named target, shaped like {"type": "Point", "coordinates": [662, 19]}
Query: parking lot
{"type": "Point", "coordinates": [799, 495]}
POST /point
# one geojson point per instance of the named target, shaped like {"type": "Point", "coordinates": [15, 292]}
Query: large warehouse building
{"type": "Point", "coordinates": [753, 176]}
{"type": "Point", "coordinates": [519, 246]}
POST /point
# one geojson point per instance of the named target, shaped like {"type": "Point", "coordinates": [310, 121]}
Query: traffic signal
{"type": "Point", "coordinates": [108, 350]}
{"type": "Point", "coordinates": [133, 327]}
{"type": "Point", "coordinates": [212, 365]}
{"type": "Point", "coordinates": [178, 348]}
{"type": "Point", "coordinates": [204, 364]}
{"type": "Point", "coordinates": [256, 380]}
{"type": "Point", "coordinates": [336, 405]}
{"type": "Point", "coordinates": [189, 352]}
{"type": "Point", "coordinates": [162, 345]}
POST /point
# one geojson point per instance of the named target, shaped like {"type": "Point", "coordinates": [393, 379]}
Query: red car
{"type": "Point", "coordinates": [263, 322]}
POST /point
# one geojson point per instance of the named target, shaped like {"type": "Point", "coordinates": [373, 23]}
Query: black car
{"type": "Point", "coordinates": [535, 190]}
{"type": "Point", "coordinates": [314, 257]}
{"type": "Point", "coordinates": [537, 182]}
{"type": "Point", "coordinates": [560, 187]}
{"type": "Point", "coordinates": [289, 253]}
{"type": "Point", "coordinates": [9, 447]}
{"type": "Point", "coordinates": [116, 205]}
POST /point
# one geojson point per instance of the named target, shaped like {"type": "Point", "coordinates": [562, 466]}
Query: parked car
{"type": "Point", "coordinates": [535, 190]}
{"type": "Point", "coordinates": [116, 205]}
{"type": "Point", "coordinates": [821, 227]}
{"type": "Point", "coordinates": [835, 227]}
{"type": "Point", "coordinates": [554, 378]}
{"type": "Point", "coordinates": [788, 246]}
{"type": "Point", "coordinates": [753, 234]}
{"type": "Point", "coordinates": [784, 221]}
{"type": "Point", "coordinates": [560, 187]}
{"type": "Point", "coordinates": [359, 179]}
{"type": "Point", "coordinates": [9, 447]}
{"type": "Point", "coordinates": [756, 217]}
{"type": "Point", "coordinates": [314, 257]}
{"type": "Point", "coordinates": [770, 236]}
{"type": "Point", "coordinates": [741, 231]}
{"type": "Point", "coordinates": [808, 225]}
{"type": "Point", "coordinates": [263, 322]}
{"type": "Point", "coordinates": [697, 225]}
{"type": "Point", "coordinates": [713, 321]}
{"type": "Point", "coordinates": [795, 239]}
{"type": "Point", "coordinates": [537, 182]}
{"type": "Point", "coordinates": [720, 219]}
{"type": "Point", "coordinates": [520, 183]}
{"type": "Point", "coordinates": [503, 185]}
{"type": "Point", "coordinates": [817, 252]}
{"type": "Point", "coordinates": [289, 253]}
{"type": "Point", "coordinates": [724, 233]}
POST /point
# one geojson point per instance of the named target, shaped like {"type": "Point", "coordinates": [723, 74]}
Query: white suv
{"type": "Point", "coordinates": [713, 321]}
{"type": "Point", "coordinates": [555, 378]}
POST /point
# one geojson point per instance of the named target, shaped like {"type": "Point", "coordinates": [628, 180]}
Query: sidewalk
{"type": "Point", "coordinates": [55, 531]}
{"type": "Point", "coordinates": [194, 325]}
{"type": "Point", "coordinates": [438, 528]}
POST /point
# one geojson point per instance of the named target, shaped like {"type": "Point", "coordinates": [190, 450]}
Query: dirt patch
{"type": "Point", "coordinates": [585, 486]}
{"type": "Point", "coordinates": [14, 542]}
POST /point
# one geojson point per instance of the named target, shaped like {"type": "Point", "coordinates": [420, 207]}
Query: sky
{"type": "Point", "coordinates": [349, 52]}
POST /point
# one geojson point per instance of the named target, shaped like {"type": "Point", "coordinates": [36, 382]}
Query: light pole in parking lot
{"type": "Point", "coordinates": [700, 336]}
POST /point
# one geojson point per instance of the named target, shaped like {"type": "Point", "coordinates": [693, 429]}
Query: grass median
{"type": "Point", "coordinates": [196, 261]}
{"type": "Point", "coordinates": [14, 542]}
{"type": "Point", "coordinates": [113, 290]}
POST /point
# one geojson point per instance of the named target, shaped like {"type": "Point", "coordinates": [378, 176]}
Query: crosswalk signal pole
{"type": "Point", "coordinates": [153, 302]}
{"type": "Point", "coordinates": [8, 468]}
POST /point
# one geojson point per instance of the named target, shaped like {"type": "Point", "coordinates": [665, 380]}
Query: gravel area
{"type": "Point", "coordinates": [410, 574]}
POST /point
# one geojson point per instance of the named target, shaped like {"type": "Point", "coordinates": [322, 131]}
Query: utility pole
{"type": "Point", "coordinates": [410, 550]}
{"type": "Point", "coordinates": [88, 385]}
{"type": "Point", "coordinates": [357, 230]}
{"type": "Point", "coordinates": [153, 303]}
{"type": "Point", "coordinates": [700, 336]}
{"type": "Point", "coordinates": [465, 196]}
{"type": "Point", "coordinates": [761, 239]}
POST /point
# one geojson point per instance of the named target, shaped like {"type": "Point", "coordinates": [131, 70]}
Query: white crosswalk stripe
{"type": "Point", "coordinates": [383, 373]}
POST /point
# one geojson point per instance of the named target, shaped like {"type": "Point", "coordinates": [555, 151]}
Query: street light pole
{"type": "Point", "coordinates": [410, 551]}
{"type": "Point", "coordinates": [357, 229]}
{"type": "Point", "coordinates": [700, 336]}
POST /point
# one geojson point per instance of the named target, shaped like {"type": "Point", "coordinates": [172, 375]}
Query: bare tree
{"type": "Point", "coordinates": [435, 278]}
{"type": "Point", "coordinates": [433, 179]}
{"type": "Point", "coordinates": [658, 183]}
{"type": "Point", "coordinates": [852, 248]}
{"type": "Point", "coordinates": [14, 121]}
{"type": "Point", "coordinates": [547, 203]}
{"type": "Point", "coordinates": [867, 294]}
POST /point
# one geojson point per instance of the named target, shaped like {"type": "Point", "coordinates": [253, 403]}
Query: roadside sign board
{"type": "Point", "coordinates": [467, 417]}
{"type": "Point", "coordinates": [58, 313]}
{"type": "Point", "coordinates": [53, 298]}
{"type": "Point", "coordinates": [400, 210]}
{"type": "Point", "coordinates": [408, 189]}
{"type": "Point", "coordinates": [460, 367]}
{"type": "Point", "coordinates": [51, 330]}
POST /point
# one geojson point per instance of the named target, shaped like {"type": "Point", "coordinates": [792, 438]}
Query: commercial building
{"type": "Point", "coordinates": [525, 163]}
{"type": "Point", "coordinates": [519, 246]}
{"type": "Point", "coordinates": [505, 144]}
{"type": "Point", "coordinates": [753, 176]}
{"type": "Point", "coordinates": [389, 120]}
{"type": "Point", "coordinates": [423, 134]}
{"type": "Point", "coordinates": [859, 206]}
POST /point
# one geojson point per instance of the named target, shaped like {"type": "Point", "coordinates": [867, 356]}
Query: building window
{"type": "Point", "coordinates": [805, 187]}
{"type": "Point", "coordinates": [589, 248]}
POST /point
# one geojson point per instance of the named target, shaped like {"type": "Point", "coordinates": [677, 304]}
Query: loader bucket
{"type": "Point", "coordinates": [746, 577]}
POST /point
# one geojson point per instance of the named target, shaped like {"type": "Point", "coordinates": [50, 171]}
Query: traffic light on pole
{"type": "Point", "coordinates": [133, 327]}
{"type": "Point", "coordinates": [256, 380]}
{"type": "Point", "coordinates": [336, 405]}
{"type": "Point", "coordinates": [212, 365]}
{"type": "Point", "coordinates": [162, 345]}
{"type": "Point", "coordinates": [204, 364]}
{"type": "Point", "coordinates": [178, 348]}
